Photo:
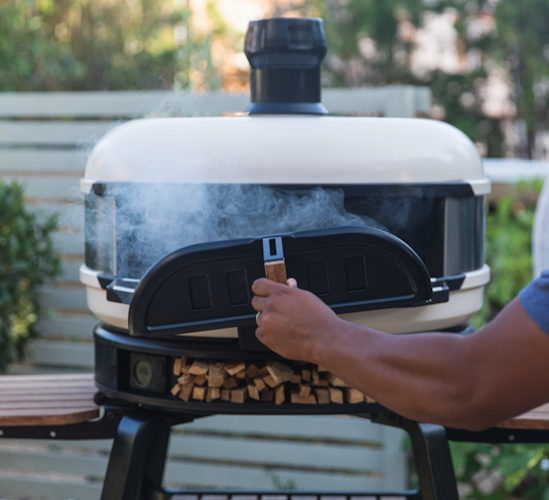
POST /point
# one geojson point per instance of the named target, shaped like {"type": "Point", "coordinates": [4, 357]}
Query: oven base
{"type": "Point", "coordinates": [117, 357]}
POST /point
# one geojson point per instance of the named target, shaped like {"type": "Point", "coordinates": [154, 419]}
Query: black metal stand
{"type": "Point", "coordinates": [432, 456]}
{"type": "Point", "coordinates": [138, 456]}
{"type": "Point", "coordinates": [136, 463]}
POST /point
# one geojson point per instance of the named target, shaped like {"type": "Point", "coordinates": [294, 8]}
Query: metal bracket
{"type": "Point", "coordinates": [273, 249]}
{"type": "Point", "coordinates": [499, 436]}
{"type": "Point", "coordinates": [103, 428]}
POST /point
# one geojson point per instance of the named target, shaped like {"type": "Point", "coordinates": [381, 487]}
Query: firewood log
{"type": "Point", "coordinates": [234, 368]}
{"type": "Point", "coordinates": [306, 375]}
{"type": "Point", "coordinates": [186, 391]}
{"type": "Point", "coordinates": [296, 379]}
{"type": "Point", "coordinates": [280, 395]}
{"type": "Point", "coordinates": [239, 395]}
{"type": "Point", "coordinates": [303, 400]}
{"type": "Point", "coordinates": [225, 395]}
{"type": "Point", "coordinates": [200, 379]}
{"type": "Point", "coordinates": [322, 395]}
{"type": "Point", "coordinates": [177, 367]}
{"type": "Point", "coordinates": [263, 372]}
{"type": "Point", "coordinates": [252, 371]}
{"type": "Point", "coordinates": [268, 396]}
{"type": "Point", "coordinates": [322, 383]}
{"type": "Point", "coordinates": [253, 392]}
{"type": "Point", "coordinates": [175, 389]}
{"type": "Point", "coordinates": [369, 400]}
{"type": "Point", "coordinates": [185, 379]}
{"type": "Point", "coordinates": [213, 394]}
{"type": "Point", "coordinates": [353, 396]}
{"type": "Point", "coordinates": [216, 376]}
{"type": "Point", "coordinates": [199, 367]}
{"type": "Point", "coordinates": [271, 382]}
{"type": "Point", "coordinates": [230, 383]}
{"type": "Point", "coordinates": [260, 384]}
{"type": "Point", "coordinates": [315, 376]}
{"type": "Point", "coordinates": [336, 381]}
{"type": "Point", "coordinates": [281, 373]}
{"type": "Point", "coordinates": [304, 390]}
{"type": "Point", "coordinates": [336, 395]}
{"type": "Point", "coordinates": [199, 393]}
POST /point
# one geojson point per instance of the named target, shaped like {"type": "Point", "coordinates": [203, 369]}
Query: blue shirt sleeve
{"type": "Point", "coordinates": [535, 300]}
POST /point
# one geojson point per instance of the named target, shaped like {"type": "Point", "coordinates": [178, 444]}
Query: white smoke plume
{"type": "Point", "coordinates": [153, 220]}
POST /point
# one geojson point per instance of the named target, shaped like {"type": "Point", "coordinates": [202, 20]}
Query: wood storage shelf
{"type": "Point", "coordinates": [239, 382]}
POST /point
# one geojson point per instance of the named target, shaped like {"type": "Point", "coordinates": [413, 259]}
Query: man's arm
{"type": "Point", "coordinates": [468, 382]}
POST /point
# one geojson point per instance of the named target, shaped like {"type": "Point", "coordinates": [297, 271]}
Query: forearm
{"type": "Point", "coordinates": [470, 382]}
{"type": "Point", "coordinates": [426, 377]}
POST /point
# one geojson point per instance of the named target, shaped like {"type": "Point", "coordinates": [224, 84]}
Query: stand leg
{"type": "Point", "coordinates": [137, 457]}
{"type": "Point", "coordinates": [432, 456]}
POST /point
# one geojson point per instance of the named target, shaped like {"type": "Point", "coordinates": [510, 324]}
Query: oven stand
{"type": "Point", "coordinates": [138, 456]}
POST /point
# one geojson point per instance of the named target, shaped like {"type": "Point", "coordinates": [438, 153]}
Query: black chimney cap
{"type": "Point", "coordinates": [286, 56]}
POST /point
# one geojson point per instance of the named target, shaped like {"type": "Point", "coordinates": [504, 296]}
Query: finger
{"type": "Point", "coordinates": [259, 334]}
{"type": "Point", "coordinates": [258, 303]}
{"type": "Point", "coordinates": [264, 287]}
{"type": "Point", "coordinates": [292, 282]}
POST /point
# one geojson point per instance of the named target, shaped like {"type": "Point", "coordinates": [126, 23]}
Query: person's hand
{"type": "Point", "coordinates": [294, 323]}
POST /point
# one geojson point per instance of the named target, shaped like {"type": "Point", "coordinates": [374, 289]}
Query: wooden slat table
{"type": "Point", "coordinates": [68, 399]}
{"type": "Point", "coordinates": [42, 403]}
{"type": "Point", "coordinates": [537, 419]}
{"type": "Point", "coordinates": [40, 400]}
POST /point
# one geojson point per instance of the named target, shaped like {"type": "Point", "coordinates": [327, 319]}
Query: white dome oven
{"type": "Point", "coordinates": [383, 219]}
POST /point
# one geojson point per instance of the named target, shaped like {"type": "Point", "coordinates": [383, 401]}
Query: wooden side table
{"type": "Point", "coordinates": [64, 407]}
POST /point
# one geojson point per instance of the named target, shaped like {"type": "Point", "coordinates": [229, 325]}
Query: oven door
{"type": "Point", "coordinates": [208, 286]}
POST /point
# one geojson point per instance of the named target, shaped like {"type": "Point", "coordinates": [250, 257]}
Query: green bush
{"type": "Point", "coordinates": [27, 261]}
{"type": "Point", "coordinates": [508, 251]}
{"type": "Point", "coordinates": [507, 471]}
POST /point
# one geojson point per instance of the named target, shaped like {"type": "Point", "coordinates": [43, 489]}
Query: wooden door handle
{"type": "Point", "coordinates": [276, 271]}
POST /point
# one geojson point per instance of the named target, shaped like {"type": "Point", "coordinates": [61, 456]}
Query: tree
{"type": "Point", "coordinates": [373, 43]}
{"type": "Point", "coordinates": [99, 45]}
{"type": "Point", "coordinates": [523, 45]}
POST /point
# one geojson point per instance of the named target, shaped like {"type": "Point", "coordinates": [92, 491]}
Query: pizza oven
{"type": "Point", "coordinates": [382, 218]}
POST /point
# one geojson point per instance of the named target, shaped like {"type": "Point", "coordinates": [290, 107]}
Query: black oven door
{"type": "Point", "coordinates": [208, 286]}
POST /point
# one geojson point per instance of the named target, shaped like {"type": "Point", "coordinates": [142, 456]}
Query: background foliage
{"type": "Point", "coordinates": [100, 45]}
{"type": "Point", "coordinates": [27, 260]}
{"type": "Point", "coordinates": [153, 44]}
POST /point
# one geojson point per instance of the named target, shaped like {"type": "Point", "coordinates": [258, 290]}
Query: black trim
{"type": "Point", "coordinates": [105, 280]}
{"type": "Point", "coordinates": [286, 108]}
{"type": "Point", "coordinates": [211, 348]}
{"type": "Point", "coordinates": [171, 403]}
{"type": "Point", "coordinates": [452, 282]}
{"type": "Point", "coordinates": [499, 436]}
{"type": "Point", "coordinates": [423, 189]}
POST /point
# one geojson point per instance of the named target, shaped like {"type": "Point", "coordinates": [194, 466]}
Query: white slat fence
{"type": "Point", "coordinates": [44, 141]}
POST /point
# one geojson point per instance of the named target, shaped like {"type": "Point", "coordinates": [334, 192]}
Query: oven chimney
{"type": "Point", "coordinates": [285, 56]}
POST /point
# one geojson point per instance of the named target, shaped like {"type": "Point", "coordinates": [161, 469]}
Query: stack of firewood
{"type": "Point", "coordinates": [271, 381]}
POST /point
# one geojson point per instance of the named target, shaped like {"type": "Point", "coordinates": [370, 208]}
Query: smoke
{"type": "Point", "coordinates": [153, 220]}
